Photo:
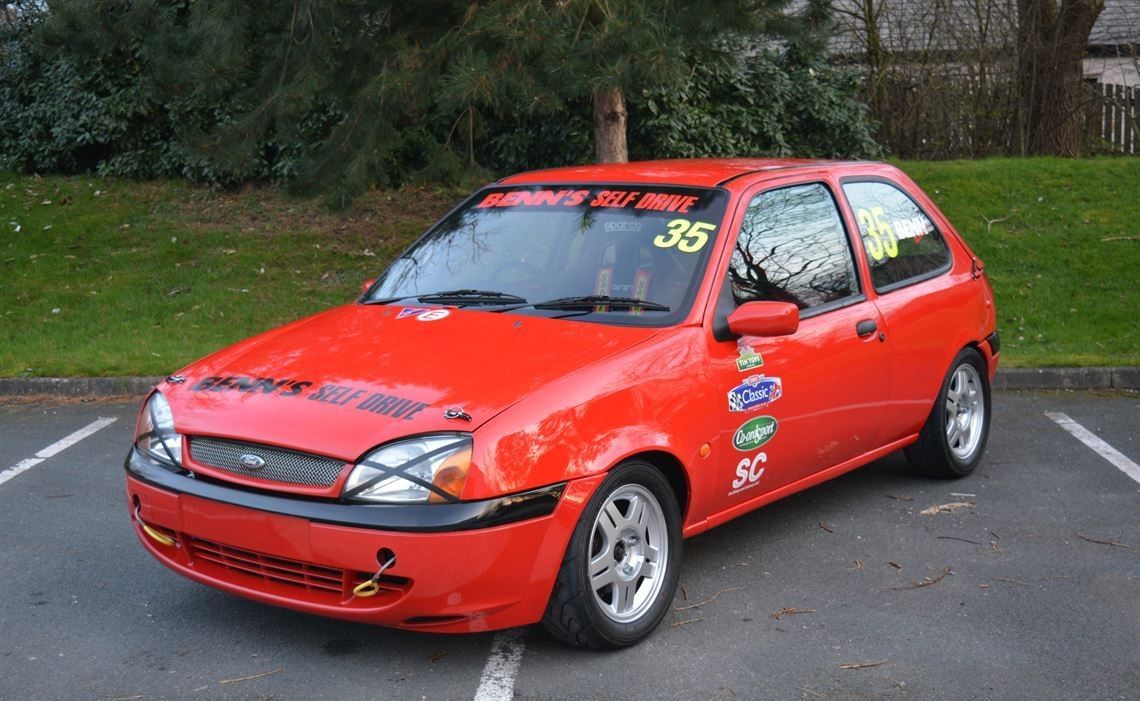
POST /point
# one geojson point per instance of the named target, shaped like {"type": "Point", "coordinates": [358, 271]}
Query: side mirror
{"type": "Point", "coordinates": [366, 285]}
{"type": "Point", "coordinates": [764, 319]}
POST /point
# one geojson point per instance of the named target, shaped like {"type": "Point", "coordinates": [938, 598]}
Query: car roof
{"type": "Point", "coordinates": [703, 172]}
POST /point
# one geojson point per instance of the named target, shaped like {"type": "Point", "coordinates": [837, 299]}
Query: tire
{"type": "Point", "coordinates": [631, 532]}
{"type": "Point", "coordinates": [953, 440]}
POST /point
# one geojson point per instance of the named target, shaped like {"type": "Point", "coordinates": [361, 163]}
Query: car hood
{"type": "Point", "coordinates": [341, 382]}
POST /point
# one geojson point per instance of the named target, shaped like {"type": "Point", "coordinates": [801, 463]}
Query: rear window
{"type": "Point", "coordinates": [901, 242]}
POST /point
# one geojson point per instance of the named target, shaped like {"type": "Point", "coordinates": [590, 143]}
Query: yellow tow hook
{"type": "Point", "coordinates": [154, 534]}
{"type": "Point", "coordinates": [372, 586]}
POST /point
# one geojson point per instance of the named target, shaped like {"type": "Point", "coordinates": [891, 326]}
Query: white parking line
{"type": "Point", "coordinates": [1093, 441]}
{"type": "Point", "coordinates": [55, 448]}
{"type": "Point", "coordinates": [498, 680]}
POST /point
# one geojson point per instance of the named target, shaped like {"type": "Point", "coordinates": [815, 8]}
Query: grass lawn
{"type": "Point", "coordinates": [1061, 244]}
{"type": "Point", "coordinates": [109, 277]}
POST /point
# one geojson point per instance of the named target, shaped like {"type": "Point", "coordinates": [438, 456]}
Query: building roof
{"type": "Point", "coordinates": [943, 25]}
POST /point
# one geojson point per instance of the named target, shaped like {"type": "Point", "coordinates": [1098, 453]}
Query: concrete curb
{"type": "Point", "coordinates": [1007, 378]}
{"type": "Point", "coordinates": [1068, 378]}
{"type": "Point", "coordinates": [77, 386]}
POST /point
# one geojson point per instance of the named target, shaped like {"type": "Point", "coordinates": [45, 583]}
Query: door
{"type": "Point", "coordinates": [797, 405]}
{"type": "Point", "coordinates": [926, 310]}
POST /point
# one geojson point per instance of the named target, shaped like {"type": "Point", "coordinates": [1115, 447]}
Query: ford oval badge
{"type": "Point", "coordinates": [252, 462]}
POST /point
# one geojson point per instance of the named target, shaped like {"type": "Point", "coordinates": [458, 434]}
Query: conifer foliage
{"type": "Point", "coordinates": [340, 95]}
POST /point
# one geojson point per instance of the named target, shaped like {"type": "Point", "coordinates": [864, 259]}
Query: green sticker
{"type": "Point", "coordinates": [749, 361]}
{"type": "Point", "coordinates": [754, 433]}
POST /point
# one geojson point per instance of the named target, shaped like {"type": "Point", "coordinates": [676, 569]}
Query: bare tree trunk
{"type": "Point", "coordinates": [1052, 41]}
{"type": "Point", "coordinates": [609, 126]}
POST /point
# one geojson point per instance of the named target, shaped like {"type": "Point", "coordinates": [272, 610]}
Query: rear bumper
{"type": "Point", "coordinates": [466, 580]}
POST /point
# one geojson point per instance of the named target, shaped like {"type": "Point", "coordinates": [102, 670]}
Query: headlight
{"type": "Point", "coordinates": [155, 434]}
{"type": "Point", "coordinates": [430, 469]}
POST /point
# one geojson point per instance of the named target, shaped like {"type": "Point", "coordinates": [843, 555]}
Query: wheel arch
{"type": "Point", "coordinates": [670, 467]}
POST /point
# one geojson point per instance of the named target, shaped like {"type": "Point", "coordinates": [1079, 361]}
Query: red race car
{"type": "Point", "coordinates": [575, 369]}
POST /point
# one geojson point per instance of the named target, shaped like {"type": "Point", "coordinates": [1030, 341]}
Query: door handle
{"type": "Point", "coordinates": [865, 328]}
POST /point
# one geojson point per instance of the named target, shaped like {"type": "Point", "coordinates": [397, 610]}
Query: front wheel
{"type": "Point", "coordinates": [621, 568]}
{"type": "Point", "coordinates": [953, 439]}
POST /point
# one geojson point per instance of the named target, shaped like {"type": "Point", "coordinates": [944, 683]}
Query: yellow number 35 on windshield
{"type": "Point", "coordinates": [881, 241]}
{"type": "Point", "coordinates": [687, 236]}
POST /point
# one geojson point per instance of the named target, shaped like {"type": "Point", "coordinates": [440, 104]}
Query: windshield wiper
{"type": "Point", "coordinates": [471, 297]}
{"type": "Point", "coordinates": [590, 301]}
{"type": "Point", "coordinates": [460, 297]}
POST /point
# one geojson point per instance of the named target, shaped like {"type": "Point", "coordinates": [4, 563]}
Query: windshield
{"type": "Point", "coordinates": [565, 249]}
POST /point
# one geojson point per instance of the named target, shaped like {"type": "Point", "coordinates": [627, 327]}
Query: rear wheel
{"type": "Point", "coordinates": [621, 568]}
{"type": "Point", "coordinates": [953, 439]}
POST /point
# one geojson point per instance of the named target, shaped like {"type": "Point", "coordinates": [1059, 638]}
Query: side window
{"type": "Point", "coordinates": [792, 248]}
{"type": "Point", "coordinates": [901, 242]}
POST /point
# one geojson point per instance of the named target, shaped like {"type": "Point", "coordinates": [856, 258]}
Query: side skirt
{"type": "Point", "coordinates": [787, 490]}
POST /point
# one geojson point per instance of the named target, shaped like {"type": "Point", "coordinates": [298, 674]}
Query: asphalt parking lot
{"type": "Point", "coordinates": [846, 591]}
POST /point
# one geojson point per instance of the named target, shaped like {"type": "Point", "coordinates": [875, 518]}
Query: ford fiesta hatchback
{"type": "Point", "coordinates": [522, 418]}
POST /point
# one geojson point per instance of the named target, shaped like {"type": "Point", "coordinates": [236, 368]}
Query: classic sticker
{"type": "Point", "coordinates": [754, 433]}
{"type": "Point", "coordinates": [756, 392]}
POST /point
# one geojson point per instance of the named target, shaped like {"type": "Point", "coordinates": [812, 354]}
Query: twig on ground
{"type": "Point", "coordinates": [825, 527]}
{"type": "Point", "coordinates": [892, 496]}
{"type": "Point", "coordinates": [1014, 581]}
{"type": "Point", "coordinates": [896, 565]}
{"type": "Point", "coordinates": [995, 535]}
{"type": "Point", "coordinates": [990, 222]}
{"type": "Point", "coordinates": [252, 676]}
{"type": "Point", "coordinates": [952, 537]}
{"type": "Point", "coordinates": [1121, 238]}
{"type": "Point", "coordinates": [1113, 543]}
{"type": "Point", "coordinates": [789, 612]}
{"type": "Point", "coordinates": [925, 582]}
{"type": "Point", "coordinates": [685, 622]}
{"type": "Point", "coordinates": [948, 508]}
{"type": "Point", "coordinates": [706, 601]}
{"type": "Point", "coordinates": [437, 656]}
{"type": "Point", "coordinates": [862, 665]}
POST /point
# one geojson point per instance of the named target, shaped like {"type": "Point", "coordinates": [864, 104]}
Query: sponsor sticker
{"type": "Point", "coordinates": [756, 392]}
{"type": "Point", "coordinates": [748, 473]}
{"type": "Point", "coordinates": [337, 395]}
{"type": "Point", "coordinates": [754, 433]}
{"type": "Point", "coordinates": [749, 359]}
{"type": "Point", "coordinates": [433, 315]}
{"type": "Point", "coordinates": [422, 314]}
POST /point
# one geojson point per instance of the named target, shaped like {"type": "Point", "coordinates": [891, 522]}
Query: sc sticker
{"type": "Point", "coordinates": [748, 472]}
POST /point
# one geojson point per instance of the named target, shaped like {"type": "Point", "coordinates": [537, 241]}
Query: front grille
{"type": "Point", "coordinates": [281, 465]}
{"type": "Point", "coordinates": [268, 568]}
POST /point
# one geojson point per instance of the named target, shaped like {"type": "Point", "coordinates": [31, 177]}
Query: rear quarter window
{"type": "Point", "coordinates": [901, 243]}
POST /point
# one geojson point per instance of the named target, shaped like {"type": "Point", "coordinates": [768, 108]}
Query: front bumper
{"type": "Point", "coordinates": [453, 572]}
